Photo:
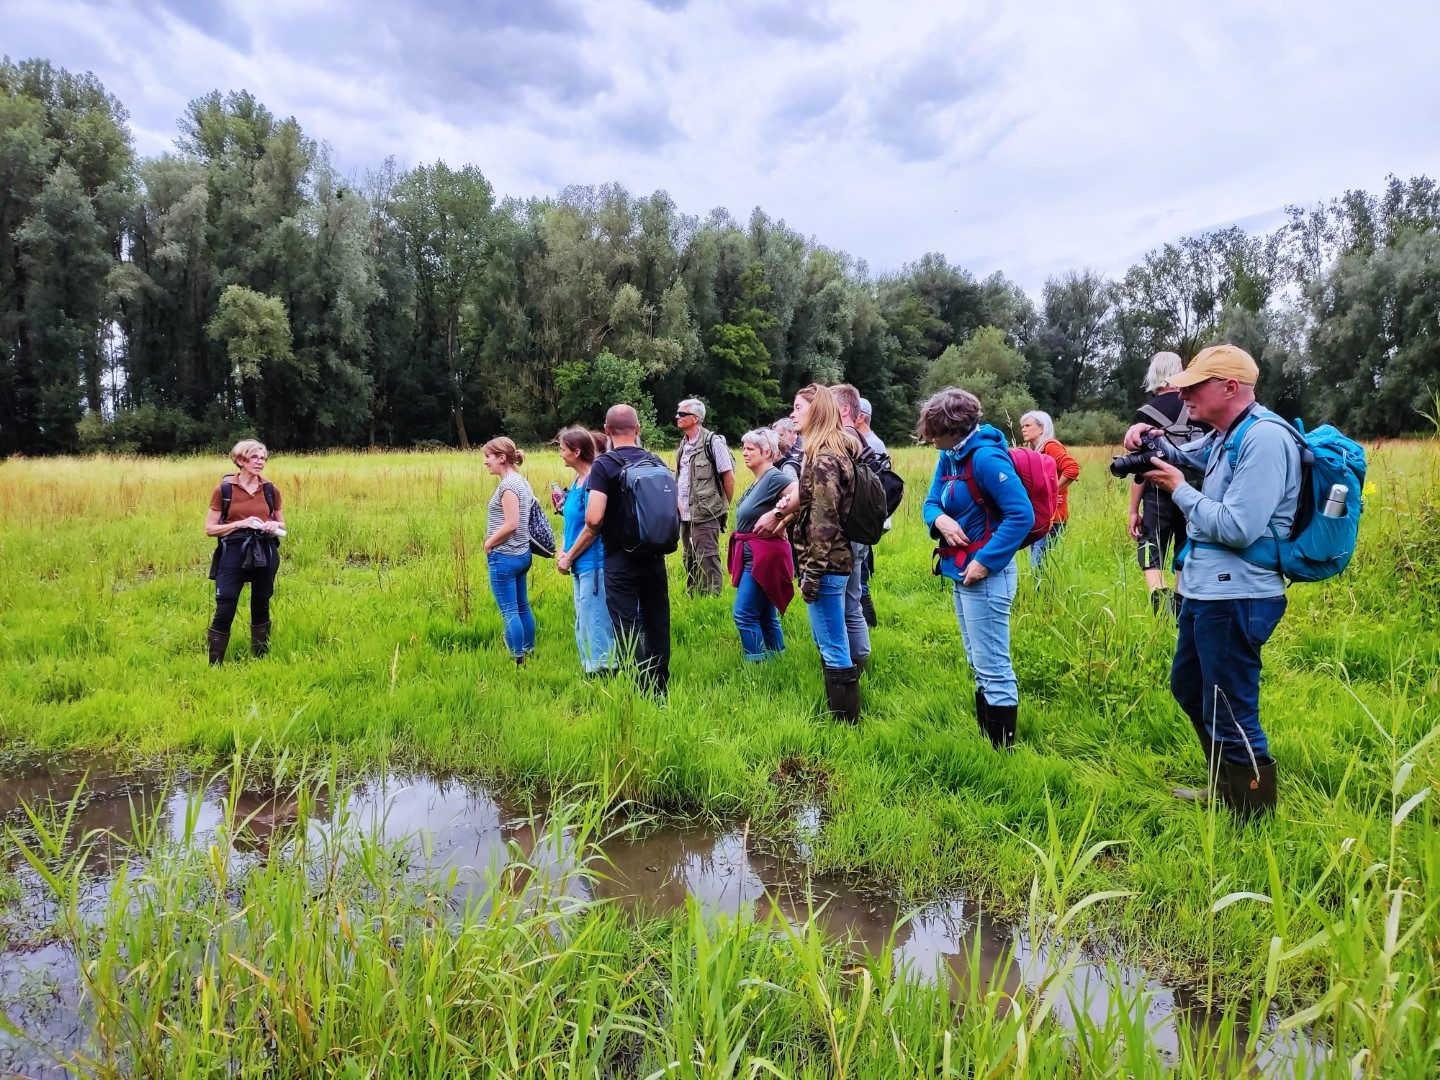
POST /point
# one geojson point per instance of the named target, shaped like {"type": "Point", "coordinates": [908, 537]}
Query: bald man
{"type": "Point", "coordinates": [637, 592]}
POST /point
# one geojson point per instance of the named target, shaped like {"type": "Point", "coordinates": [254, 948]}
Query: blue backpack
{"type": "Point", "coordinates": [1318, 547]}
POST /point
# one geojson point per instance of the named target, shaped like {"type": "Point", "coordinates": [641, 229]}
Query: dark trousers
{"type": "Point", "coordinates": [638, 596]}
{"type": "Point", "coordinates": [228, 582]}
{"type": "Point", "coordinates": [1215, 676]}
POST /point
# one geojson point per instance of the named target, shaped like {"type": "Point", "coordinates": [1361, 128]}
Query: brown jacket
{"type": "Point", "coordinates": [826, 487]}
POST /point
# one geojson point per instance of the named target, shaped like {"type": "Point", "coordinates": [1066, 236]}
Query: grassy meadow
{"type": "Point", "coordinates": [387, 649]}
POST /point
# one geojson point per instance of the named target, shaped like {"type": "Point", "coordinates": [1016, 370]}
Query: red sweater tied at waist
{"type": "Point", "coordinates": [771, 565]}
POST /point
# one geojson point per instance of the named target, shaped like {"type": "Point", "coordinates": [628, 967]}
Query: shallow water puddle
{"type": "Point", "coordinates": [467, 829]}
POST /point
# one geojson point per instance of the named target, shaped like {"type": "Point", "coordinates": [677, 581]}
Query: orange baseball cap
{"type": "Point", "coordinates": [1218, 362]}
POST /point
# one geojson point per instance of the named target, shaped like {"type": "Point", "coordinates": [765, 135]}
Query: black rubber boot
{"type": "Point", "coordinates": [862, 664]}
{"type": "Point", "coordinates": [867, 608]}
{"type": "Point", "coordinates": [980, 708]}
{"type": "Point", "coordinates": [842, 693]}
{"type": "Point", "coordinates": [1000, 725]}
{"type": "Point", "coordinates": [218, 641]}
{"type": "Point", "coordinates": [259, 639]}
{"type": "Point", "coordinates": [1249, 790]}
{"type": "Point", "coordinates": [1162, 598]}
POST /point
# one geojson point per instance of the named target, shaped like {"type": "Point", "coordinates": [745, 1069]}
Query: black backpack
{"type": "Point", "coordinates": [890, 480]}
{"type": "Point", "coordinates": [869, 502]}
{"type": "Point", "coordinates": [649, 515]}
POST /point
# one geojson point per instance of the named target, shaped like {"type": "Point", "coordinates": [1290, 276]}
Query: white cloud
{"type": "Point", "coordinates": [1029, 139]}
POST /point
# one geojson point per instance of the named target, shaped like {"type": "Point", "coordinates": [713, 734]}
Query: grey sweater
{"type": "Point", "coordinates": [1233, 510]}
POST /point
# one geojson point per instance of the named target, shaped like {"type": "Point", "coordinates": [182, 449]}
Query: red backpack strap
{"type": "Point", "coordinates": [977, 495]}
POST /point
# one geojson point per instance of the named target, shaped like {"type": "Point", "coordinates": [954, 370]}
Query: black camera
{"type": "Point", "coordinates": [1152, 445]}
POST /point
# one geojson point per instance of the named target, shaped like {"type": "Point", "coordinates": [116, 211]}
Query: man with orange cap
{"type": "Point", "coordinates": [1230, 607]}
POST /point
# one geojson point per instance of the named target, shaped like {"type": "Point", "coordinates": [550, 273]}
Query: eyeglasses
{"type": "Point", "coordinates": [1184, 390]}
{"type": "Point", "coordinates": [681, 415]}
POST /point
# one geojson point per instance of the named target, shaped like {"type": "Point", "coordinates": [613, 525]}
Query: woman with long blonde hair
{"type": "Point", "coordinates": [823, 555]}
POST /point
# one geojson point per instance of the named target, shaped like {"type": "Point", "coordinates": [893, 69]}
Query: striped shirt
{"type": "Point", "coordinates": [518, 542]}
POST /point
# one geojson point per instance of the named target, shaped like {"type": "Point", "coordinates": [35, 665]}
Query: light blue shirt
{"type": "Point", "coordinates": [1234, 509]}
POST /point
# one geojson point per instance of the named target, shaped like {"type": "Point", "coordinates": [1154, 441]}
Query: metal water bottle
{"type": "Point", "coordinates": [1334, 505]}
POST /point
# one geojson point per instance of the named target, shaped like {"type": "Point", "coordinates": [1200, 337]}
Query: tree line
{"type": "Point", "coordinates": [241, 285]}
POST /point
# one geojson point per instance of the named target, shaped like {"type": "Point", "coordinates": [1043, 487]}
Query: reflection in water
{"type": "Point", "coordinates": [460, 829]}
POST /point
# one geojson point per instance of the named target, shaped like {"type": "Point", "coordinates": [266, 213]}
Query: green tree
{"type": "Point", "coordinates": [1376, 341]}
{"type": "Point", "coordinates": [444, 216]}
{"type": "Point", "coordinates": [65, 264]}
{"type": "Point", "coordinates": [254, 331]}
{"type": "Point", "coordinates": [990, 369]}
{"type": "Point", "coordinates": [66, 185]}
{"type": "Point", "coordinates": [744, 393]}
{"type": "Point", "coordinates": [589, 387]}
{"type": "Point", "coordinates": [1078, 336]}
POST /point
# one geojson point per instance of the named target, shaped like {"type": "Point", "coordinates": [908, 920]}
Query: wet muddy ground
{"type": "Point", "coordinates": [471, 831]}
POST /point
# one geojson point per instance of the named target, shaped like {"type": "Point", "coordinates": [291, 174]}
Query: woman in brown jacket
{"type": "Point", "coordinates": [247, 522]}
{"type": "Point", "coordinates": [822, 551]}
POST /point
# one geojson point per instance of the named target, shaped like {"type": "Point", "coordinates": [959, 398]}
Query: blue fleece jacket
{"type": "Point", "coordinates": [990, 462]}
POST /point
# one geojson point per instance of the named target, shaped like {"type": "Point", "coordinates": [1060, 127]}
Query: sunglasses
{"type": "Point", "coordinates": [679, 415]}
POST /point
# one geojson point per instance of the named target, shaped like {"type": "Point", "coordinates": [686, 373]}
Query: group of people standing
{"type": "Point", "coordinates": [790, 529]}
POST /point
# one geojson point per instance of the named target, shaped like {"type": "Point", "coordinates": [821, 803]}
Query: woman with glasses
{"type": "Point", "coordinates": [247, 522]}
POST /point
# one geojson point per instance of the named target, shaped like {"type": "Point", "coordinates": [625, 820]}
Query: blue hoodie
{"type": "Point", "coordinates": [995, 474]}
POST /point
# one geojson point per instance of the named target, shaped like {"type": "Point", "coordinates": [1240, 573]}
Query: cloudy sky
{"type": "Point", "coordinates": [1029, 138]}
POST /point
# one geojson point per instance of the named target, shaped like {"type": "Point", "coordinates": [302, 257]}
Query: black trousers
{"type": "Point", "coordinates": [229, 580]}
{"type": "Point", "coordinates": [638, 596]}
{"type": "Point", "coordinates": [1162, 528]}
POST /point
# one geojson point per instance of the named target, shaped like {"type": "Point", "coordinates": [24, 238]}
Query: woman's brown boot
{"type": "Point", "coordinates": [259, 639]}
{"type": "Point", "coordinates": [218, 641]}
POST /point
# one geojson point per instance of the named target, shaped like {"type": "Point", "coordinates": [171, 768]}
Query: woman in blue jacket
{"type": "Point", "coordinates": [980, 512]}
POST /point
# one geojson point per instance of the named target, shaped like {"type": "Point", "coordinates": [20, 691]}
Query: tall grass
{"type": "Point", "coordinates": [387, 648]}
{"type": "Point", "coordinates": [338, 956]}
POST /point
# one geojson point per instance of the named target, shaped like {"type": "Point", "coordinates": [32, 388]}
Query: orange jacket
{"type": "Point", "coordinates": [1065, 465]}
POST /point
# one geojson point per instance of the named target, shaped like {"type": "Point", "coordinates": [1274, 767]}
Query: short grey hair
{"type": "Point", "coordinates": [1047, 426]}
{"type": "Point", "coordinates": [865, 409]}
{"type": "Point", "coordinates": [763, 439]}
{"type": "Point", "coordinates": [1164, 366]}
{"type": "Point", "coordinates": [691, 405]}
{"type": "Point", "coordinates": [785, 425]}
{"type": "Point", "coordinates": [947, 412]}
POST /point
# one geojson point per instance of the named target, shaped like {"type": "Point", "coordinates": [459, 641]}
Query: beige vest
{"type": "Point", "coordinates": [707, 497]}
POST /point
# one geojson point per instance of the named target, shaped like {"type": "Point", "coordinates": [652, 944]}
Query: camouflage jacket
{"type": "Point", "coordinates": [826, 486]}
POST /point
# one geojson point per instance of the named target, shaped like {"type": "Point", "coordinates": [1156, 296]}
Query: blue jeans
{"type": "Point", "coordinates": [593, 631]}
{"type": "Point", "coordinates": [827, 621]}
{"type": "Point", "coordinates": [856, 628]}
{"type": "Point", "coordinates": [983, 611]}
{"type": "Point", "coordinates": [508, 580]}
{"type": "Point", "coordinates": [1038, 549]}
{"type": "Point", "coordinates": [757, 620]}
{"type": "Point", "coordinates": [1215, 677]}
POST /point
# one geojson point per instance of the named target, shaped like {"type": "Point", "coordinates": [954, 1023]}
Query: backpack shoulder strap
{"type": "Point", "coordinates": [1161, 420]}
{"type": "Point", "coordinates": [977, 493]}
{"type": "Point", "coordinates": [227, 490]}
{"type": "Point", "coordinates": [710, 453]}
{"type": "Point", "coordinates": [1232, 444]}
{"type": "Point", "coordinates": [269, 490]}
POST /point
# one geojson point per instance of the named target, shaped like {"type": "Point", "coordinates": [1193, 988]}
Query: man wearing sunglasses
{"type": "Point", "coordinates": [1230, 607]}
{"type": "Point", "coordinates": [704, 486]}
